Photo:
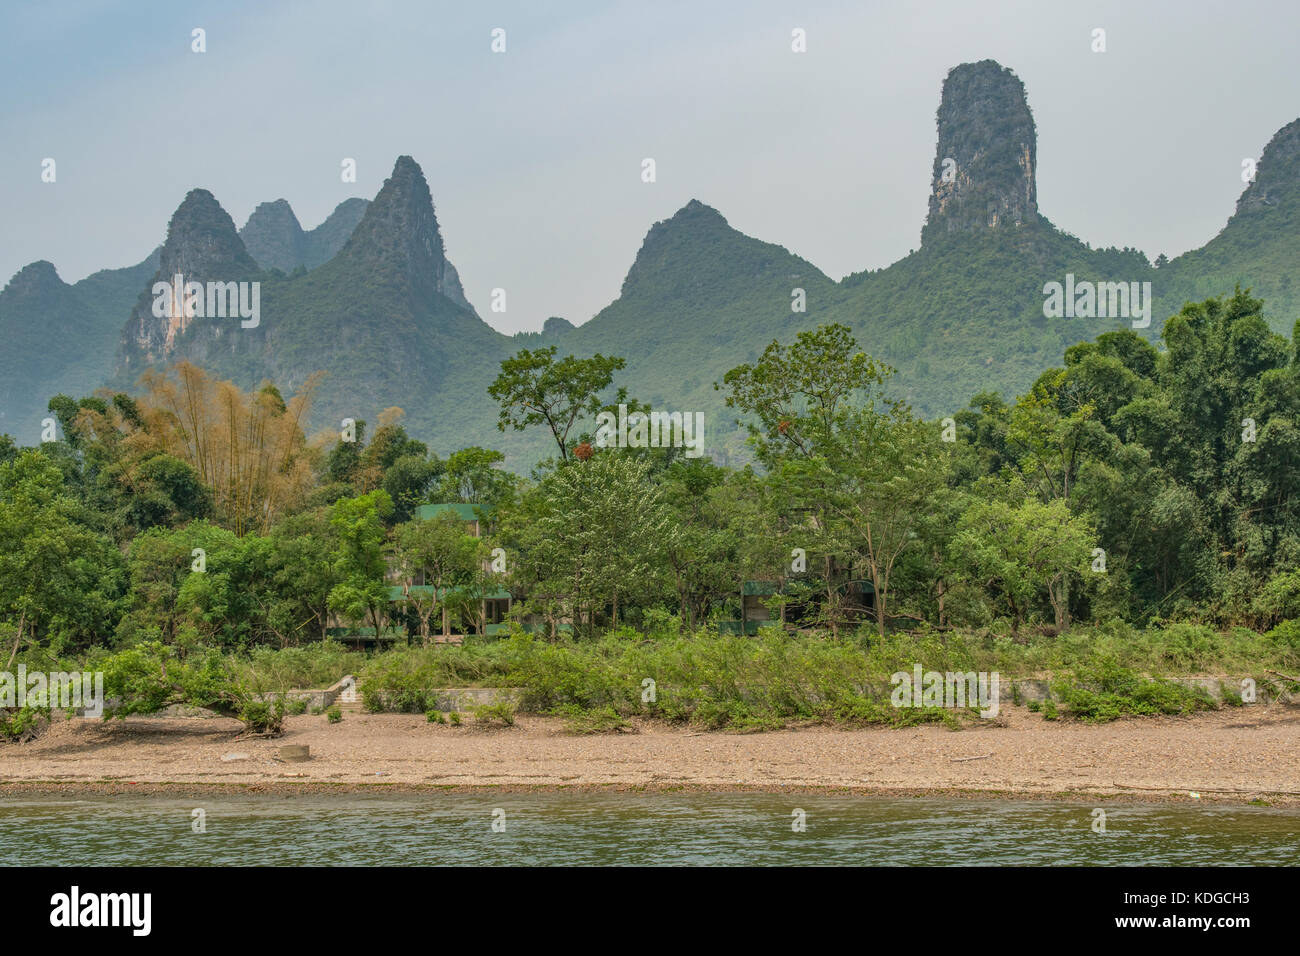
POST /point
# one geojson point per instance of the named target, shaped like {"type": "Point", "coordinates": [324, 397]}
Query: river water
{"type": "Point", "coordinates": [574, 829]}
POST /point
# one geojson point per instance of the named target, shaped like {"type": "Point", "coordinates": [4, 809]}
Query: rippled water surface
{"type": "Point", "coordinates": [568, 829]}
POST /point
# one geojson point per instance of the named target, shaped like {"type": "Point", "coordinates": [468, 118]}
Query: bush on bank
{"type": "Point", "coordinates": [704, 679]}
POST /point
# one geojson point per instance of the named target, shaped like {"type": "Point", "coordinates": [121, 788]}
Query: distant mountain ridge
{"type": "Point", "coordinates": [201, 246]}
{"type": "Point", "coordinates": [382, 311]}
{"type": "Point", "coordinates": [274, 237]}
{"type": "Point", "coordinates": [386, 318]}
{"type": "Point", "coordinates": [59, 337]}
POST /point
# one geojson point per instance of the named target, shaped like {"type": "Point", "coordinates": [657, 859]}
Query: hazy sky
{"type": "Point", "coordinates": [534, 155]}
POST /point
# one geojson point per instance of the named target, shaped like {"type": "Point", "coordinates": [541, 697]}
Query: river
{"type": "Point", "coordinates": [576, 829]}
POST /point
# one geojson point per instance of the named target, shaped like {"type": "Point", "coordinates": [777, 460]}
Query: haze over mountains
{"type": "Point", "coordinates": [371, 298]}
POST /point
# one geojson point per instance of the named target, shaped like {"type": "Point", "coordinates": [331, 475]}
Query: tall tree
{"type": "Point", "coordinates": [249, 448]}
{"type": "Point", "coordinates": [534, 389]}
{"type": "Point", "coordinates": [59, 578]}
{"type": "Point", "coordinates": [361, 594]}
{"type": "Point", "coordinates": [1020, 547]}
{"type": "Point", "coordinates": [591, 536]}
{"type": "Point", "coordinates": [885, 476]}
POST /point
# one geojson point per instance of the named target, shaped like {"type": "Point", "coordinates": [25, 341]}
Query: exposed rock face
{"type": "Point", "coordinates": [1276, 175]}
{"type": "Point", "coordinates": [275, 238]}
{"type": "Point", "coordinates": [986, 159]}
{"type": "Point", "coordinates": [203, 246]}
{"type": "Point", "coordinates": [399, 235]}
{"type": "Point", "coordinates": [452, 289]}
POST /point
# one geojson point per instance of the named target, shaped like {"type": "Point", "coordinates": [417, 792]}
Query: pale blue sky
{"type": "Point", "coordinates": [533, 156]}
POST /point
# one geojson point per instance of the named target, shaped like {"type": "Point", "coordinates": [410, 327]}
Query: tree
{"type": "Point", "coordinates": [534, 389]}
{"type": "Point", "coordinates": [407, 481]}
{"type": "Point", "coordinates": [797, 393]}
{"type": "Point", "coordinates": [304, 547]}
{"type": "Point", "coordinates": [59, 578]}
{"type": "Point", "coordinates": [226, 604]}
{"type": "Point", "coordinates": [885, 473]}
{"type": "Point", "coordinates": [390, 443]}
{"type": "Point", "coordinates": [158, 490]}
{"type": "Point", "coordinates": [811, 400]}
{"type": "Point", "coordinates": [591, 535]}
{"type": "Point", "coordinates": [249, 448]}
{"type": "Point", "coordinates": [358, 522]}
{"type": "Point", "coordinates": [725, 534]}
{"type": "Point", "coordinates": [1021, 546]}
{"type": "Point", "coordinates": [343, 463]}
{"type": "Point", "coordinates": [160, 562]}
{"type": "Point", "coordinates": [437, 553]}
{"type": "Point", "coordinates": [471, 476]}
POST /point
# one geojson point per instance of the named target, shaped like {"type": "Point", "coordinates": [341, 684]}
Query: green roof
{"type": "Point", "coordinates": [466, 512]}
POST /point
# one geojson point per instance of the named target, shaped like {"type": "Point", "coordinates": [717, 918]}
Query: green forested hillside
{"type": "Point", "coordinates": [964, 313]}
{"type": "Point", "coordinates": [59, 337]}
{"type": "Point", "coordinates": [1259, 247]}
{"type": "Point", "coordinates": [700, 298]}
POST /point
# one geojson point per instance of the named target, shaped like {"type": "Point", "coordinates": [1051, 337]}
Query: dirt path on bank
{"type": "Point", "coordinates": [1230, 755]}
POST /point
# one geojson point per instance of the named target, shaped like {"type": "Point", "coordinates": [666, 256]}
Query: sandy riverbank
{"type": "Point", "coordinates": [1232, 755]}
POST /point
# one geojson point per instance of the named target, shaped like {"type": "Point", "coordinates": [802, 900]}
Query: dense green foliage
{"type": "Point", "coordinates": [1133, 513]}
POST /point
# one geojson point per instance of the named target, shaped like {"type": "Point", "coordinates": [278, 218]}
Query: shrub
{"type": "Point", "coordinates": [405, 700]}
{"type": "Point", "coordinates": [148, 677]}
{"type": "Point", "coordinates": [602, 720]}
{"type": "Point", "coordinates": [263, 716]}
{"type": "Point", "coordinates": [1286, 634]}
{"type": "Point", "coordinates": [334, 715]}
{"type": "Point", "coordinates": [1190, 647]}
{"type": "Point", "coordinates": [502, 712]}
{"type": "Point", "coordinates": [22, 723]}
{"type": "Point", "coordinates": [292, 668]}
{"type": "Point", "coordinates": [435, 717]}
{"type": "Point", "coordinates": [1106, 691]}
